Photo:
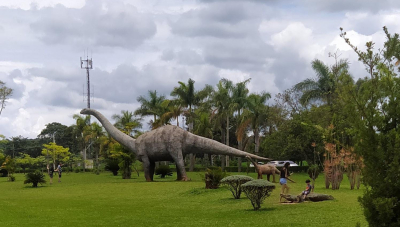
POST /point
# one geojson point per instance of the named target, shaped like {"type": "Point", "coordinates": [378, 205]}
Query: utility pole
{"type": "Point", "coordinates": [87, 64]}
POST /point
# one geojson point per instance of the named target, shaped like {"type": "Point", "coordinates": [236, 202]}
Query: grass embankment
{"type": "Point", "coordinates": [85, 199]}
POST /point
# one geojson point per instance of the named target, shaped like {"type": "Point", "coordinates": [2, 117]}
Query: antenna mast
{"type": "Point", "coordinates": [87, 64]}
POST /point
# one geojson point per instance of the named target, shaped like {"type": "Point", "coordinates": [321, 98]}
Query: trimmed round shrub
{"type": "Point", "coordinates": [257, 191]}
{"type": "Point", "coordinates": [234, 184]}
{"type": "Point", "coordinates": [112, 165]}
{"type": "Point", "coordinates": [35, 178]}
{"type": "Point", "coordinates": [213, 177]}
{"type": "Point", "coordinates": [163, 170]}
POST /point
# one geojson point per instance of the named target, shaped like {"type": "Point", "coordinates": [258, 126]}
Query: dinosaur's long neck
{"type": "Point", "coordinates": [198, 144]}
{"type": "Point", "coordinates": [254, 162]}
{"type": "Point", "coordinates": [119, 136]}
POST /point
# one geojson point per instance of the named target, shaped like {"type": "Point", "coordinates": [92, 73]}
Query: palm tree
{"type": "Point", "coordinates": [323, 87]}
{"type": "Point", "coordinates": [127, 123]}
{"type": "Point", "coordinates": [224, 106]}
{"type": "Point", "coordinates": [255, 116]}
{"type": "Point", "coordinates": [173, 110]}
{"type": "Point", "coordinates": [240, 93]}
{"type": "Point", "coordinates": [95, 133]}
{"type": "Point", "coordinates": [150, 106]}
{"type": "Point", "coordinates": [81, 129]}
{"type": "Point", "coordinates": [187, 96]}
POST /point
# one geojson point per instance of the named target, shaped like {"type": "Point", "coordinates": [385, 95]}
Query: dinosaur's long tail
{"type": "Point", "coordinates": [198, 144]}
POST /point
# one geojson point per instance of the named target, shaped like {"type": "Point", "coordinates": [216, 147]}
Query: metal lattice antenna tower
{"type": "Point", "coordinates": [87, 64]}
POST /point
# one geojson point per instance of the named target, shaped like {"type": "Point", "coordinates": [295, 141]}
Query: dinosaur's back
{"type": "Point", "coordinates": [157, 144]}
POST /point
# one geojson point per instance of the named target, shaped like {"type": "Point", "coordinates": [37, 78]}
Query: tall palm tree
{"type": "Point", "coordinates": [240, 93]}
{"type": "Point", "coordinates": [224, 107]}
{"type": "Point", "coordinates": [255, 116]}
{"type": "Point", "coordinates": [323, 87]}
{"type": "Point", "coordinates": [94, 135]}
{"type": "Point", "coordinates": [150, 106]}
{"type": "Point", "coordinates": [188, 97]}
{"type": "Point", "coordinates": [82, 127]}
{"type": "Point", "coordinates": [127, 122]}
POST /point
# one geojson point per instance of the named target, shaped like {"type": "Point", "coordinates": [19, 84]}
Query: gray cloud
{"type": "Point", "coordinates": [221, 20]}
{"type": "Point", "coordinates": [8, 79]}
{"type": "Point", "coordinates": [354, 5]}
{"type": "Point", "coordinates": [98, 23]}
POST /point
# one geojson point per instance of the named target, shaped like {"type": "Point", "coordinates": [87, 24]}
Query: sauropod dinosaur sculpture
{"type": "Point", "coordinates": [167, 143]}
{"type": "Point", "coordinates": [265, 169]}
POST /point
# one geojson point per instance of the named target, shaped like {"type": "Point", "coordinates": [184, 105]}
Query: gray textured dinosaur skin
{"type": "Point", "coordinates": [167, 143]}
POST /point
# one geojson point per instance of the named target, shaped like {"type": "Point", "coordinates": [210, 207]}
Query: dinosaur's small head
{"type": "Point", "coordinates": [85, 111]}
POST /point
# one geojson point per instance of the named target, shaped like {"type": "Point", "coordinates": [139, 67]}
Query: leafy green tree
{"type": "Point", "coordinates": [60, 134]}
{"type": "Point", "coordinates": [9, 165]}
{"type": "Point", "coordinates": [374, 114]}
{"type": "Point", "coordinates": [5, 93]}
{"type": "Point", "coordinates": [55, 153]}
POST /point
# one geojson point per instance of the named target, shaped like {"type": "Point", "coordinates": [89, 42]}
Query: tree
{"type": "Point", "coordinates": [127, 123]}
{"type": "Point", "coordinates": [374, 114]}
{"type": "Point", "coordinates": [323, 87]}
{"type": "Point", "coordinates": [188, 97]}
{"type": "Point", "coordinates": [240, 93]}
{"type": "Point", "coordinates": [224, 106]}
{"type": "Point", "coordinates": [5, 93]}
{"type": "Point", "coordinates": [150, 106]}
{"type": "Point", "coordinates": [94, 135]}
{"type": "Point", "coordinates": [55, 153]}
{"type": "Point", "coordinates": [81, 127]}
{"type": "Point", "coordinates": [255, 116]}
{"type": "Point", "coordinates": [173, 110]}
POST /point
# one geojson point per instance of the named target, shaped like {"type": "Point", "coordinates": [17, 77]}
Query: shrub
{"type": "Point", "coordinates": [163, 170]}
{"type": "Point", "coordinates": [234, 184]}
{"type": "Point", "coordinates": [257, 191]}
{"type": "Point", "coordinates": [35, 178]}
{"type": "Point", "coordinates": [112, 165]}
{"type": "Point", "coordinates": [11, 178]}
{"type": "Point", "coordinates": [213, 177]}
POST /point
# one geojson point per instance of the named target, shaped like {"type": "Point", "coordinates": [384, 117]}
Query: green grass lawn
{"type": "Point", "coordinates": [85, 199]}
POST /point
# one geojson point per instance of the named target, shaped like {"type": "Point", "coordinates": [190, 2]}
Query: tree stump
{"type": "Point", "coordinates": [313, 197]}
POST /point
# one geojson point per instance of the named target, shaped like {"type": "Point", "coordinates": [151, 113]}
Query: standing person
{"type": "Point", "coordinates": [59, 170]}
{"type": "Point", "coordinates": [284, 177]}
{"type": "Point", "coordinates": [50, 170]}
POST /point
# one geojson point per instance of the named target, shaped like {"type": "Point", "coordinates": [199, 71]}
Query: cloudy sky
{"type": "Point", "coordinates": [138, 46]}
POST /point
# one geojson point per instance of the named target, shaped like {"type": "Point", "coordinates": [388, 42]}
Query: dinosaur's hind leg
{"type": "Point", "coordinates": [146, 169]}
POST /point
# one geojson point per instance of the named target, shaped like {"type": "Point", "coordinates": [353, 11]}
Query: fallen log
{"type": "Point", "coordinates": [313, 197]}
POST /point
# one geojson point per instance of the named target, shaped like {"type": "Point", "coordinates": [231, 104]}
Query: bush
{"type": "Point", "coordinates": [3, 173]}
{"type": "Point", "coordinates": [78, 170]}
{"type": "Point", "coordinates": [213, 177]}
{"type": "Point", "coordinates": [257, 191]}
{"type": "Point", "coordinates": [112, 165]}
{"type": "Point", "coordinates": [35, 178]}
{"type": "Point", "coordinates": [234, 184]}
{"type": "Point", "coordinates": [163, 170]}
{"type": "Point", "coordinates": [11, 178]}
